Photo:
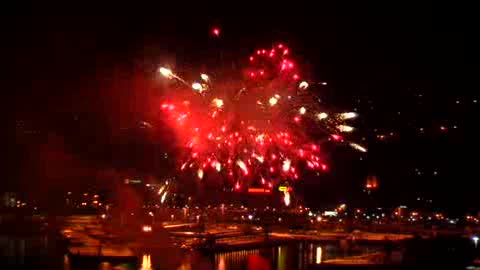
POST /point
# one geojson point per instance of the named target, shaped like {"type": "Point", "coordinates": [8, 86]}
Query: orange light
{"type": "Point", "coordinates": [258, 190]}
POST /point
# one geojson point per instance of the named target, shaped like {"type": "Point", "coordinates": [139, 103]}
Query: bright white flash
{"type": "Point", "coordinates": [358, 147]}
{"type": "Point", "coordinates": [344, 128]}
{"type": "Point", "coordinates": [164, 196]}
{"type": "Point", "coordinates": [348, 115]}
{"type": "Point", "coordinates": [302, 110]}
{"type": "Point", "coordinates": [217, 102]}
{"type": "Point", "coordinates": [303, 85]}
{"type": "Point", "coordinates": [197, 86]}
{"type": "Point", "coordinates": [286, 165]}
{"type": "Point", "coordinates": [322, 116]}
{"type": "Point", "coordinates": [242, 165]}
{"type": "Point", "coordinates": [286, 199]}
{"type": "Point", "coordinates": [273, 101]}
{"type": "Point", "coordinates": [166, 72]}
{"type": "Point", "coordinates": [204, 77]}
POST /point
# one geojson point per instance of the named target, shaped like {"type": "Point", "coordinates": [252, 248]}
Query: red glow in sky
{"type": "Point", "coordinates": [251, 135]}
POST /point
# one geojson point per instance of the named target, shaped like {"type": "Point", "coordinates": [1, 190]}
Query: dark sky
{"type": "Point", "coordinates": [68, 72]}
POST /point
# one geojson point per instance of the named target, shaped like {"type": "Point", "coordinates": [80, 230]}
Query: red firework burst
{"type": "Point", "coordinates": [258, 131]}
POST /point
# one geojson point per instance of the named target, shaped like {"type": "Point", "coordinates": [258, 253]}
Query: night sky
{"type": "Point", "coordinates": [78, 85]}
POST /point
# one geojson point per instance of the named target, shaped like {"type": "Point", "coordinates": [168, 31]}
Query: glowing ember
{"type": "Point", "coordinates": [218, 102]}
{"type": "Point", "coordinates": [197, 86]}
{"type": "Point", "coordinates": [165, 72]}
{"type": "Point", "coordinates": [322, 116]}
{"type": "Point", "coordinates": [273, 101]}
{"type": "Point", "coordinates": [302, 110]}
{"type": "Point", "coordinates": [303, 85]}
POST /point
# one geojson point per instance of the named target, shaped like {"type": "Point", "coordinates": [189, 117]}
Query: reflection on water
{"type": "Point", "coordinates": [221, 263]}
{"type": "Point", "coordinates": [292, 256]}
{"type": "Point", "coordinates": [66, 262]}
{"type": "Point", "coordinates": [318, 259]}
{"type": "Point", "coordinates": [298, 255]}
{"type": "Point", "coordinates": [146, 262]}
{"type": "Point", "coordinates": [226, 259]}
{"type": "Point", "coordinates": [105, 266]}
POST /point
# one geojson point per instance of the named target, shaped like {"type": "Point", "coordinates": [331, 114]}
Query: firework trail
{"type": "Point", "coordinates": [262, 130]}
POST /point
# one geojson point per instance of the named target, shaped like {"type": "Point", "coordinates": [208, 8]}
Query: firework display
{"type": "Point", "coordinates": [259, 131]}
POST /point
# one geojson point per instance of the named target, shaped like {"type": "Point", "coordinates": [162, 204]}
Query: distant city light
{"type": "Point", "coordinates": [475, 240]}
